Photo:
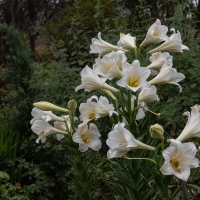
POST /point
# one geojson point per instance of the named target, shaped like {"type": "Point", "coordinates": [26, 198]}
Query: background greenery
{"type": "Point", "coordinates": [44, 45]}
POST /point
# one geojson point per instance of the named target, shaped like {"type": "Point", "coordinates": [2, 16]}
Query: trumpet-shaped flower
{"type": "Point", "coordinates": [192, 128]}
{"type": "Point", "coordinates": [87, 137]}
{"type": "Point", "coordinates": [104, 108]}
{"type": "Point", "coordinates": [173, 43]}
{"type": "Point", "coordinates": [148, 94]}
{"type": "Point", "coordinates": [88, 111]}
{"type": "Point", "coordinates": [102, 47]}
{"type": "Point", "coordinates": [156, 33]}
{"type": "Point", "coordinates": [158, 59]}
{"type": "Point", "coordinates": [90, 81]}
{"type": "Point", "coordinates": [64, 126]}
{"type": "Point", "coordinates": [110, 65]}
{"type": "Point", "coordinates": [43, 115]}
{"type": "Point", "coordinates": [127, 41]}
{"type": "Point", "coordinates": [43, 129]}
{"type": "Point", "coordinates": [134, 76]}
{"type": "Point", "coordinates": [179, 159]}
{"type": "Point", "coordinates": [120, 141]}
{"type": "Point", "coordinates": [168, 75]}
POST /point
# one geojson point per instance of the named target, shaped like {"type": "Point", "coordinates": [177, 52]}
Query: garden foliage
{"type": "Point", "coordinates": [58, 167]}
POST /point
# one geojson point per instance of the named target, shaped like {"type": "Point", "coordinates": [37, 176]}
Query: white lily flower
{"type": "Point", "coordinates": [134, 76]}
{"type": "Point", "coordinates": [104, 108]}
{"type": "Point", "coordinates": [87, 138]}
{"type": "Point", "coordinates": [43, 129]}
{"type": "Point", "coordinates": [120, 141]}
{"type": "Point", "coordinates": [62, 125]}
{"type": "Point", "coordinates": [156, 33]}
{"type": "Point", "coordinates": [179, 159]}
{"type": "Point", "coordinates": [90, 81]}
{"type": "Point", "coordinates": [102, 47]}
{"type": "Point", "coordinates": [158, 59]}
{"type": "Point", "coordinates": [148, 94]}
{"type": "Point", "coordinates": [127, 41]}
{"type": "Point", "coordinates": [88, 111]}
{"type": "Point", "coordinates": [192, 128]}
{"type": "Point", "coordinates": [43, 115]}
{"type": "Point", "coordinates": [174, 44]}
{"type": "Point", "coordinates": [168, 75]}
{"type": "Point", "coordinates": [111, 64]}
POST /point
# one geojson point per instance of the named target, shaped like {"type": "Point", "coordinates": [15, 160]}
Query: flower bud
{"type": "Point", "coordinates": [43, 105]}
{"type": "Point", "coordinates": [72, 105]}
{"type": "Point", "coordinates": [157, 131]}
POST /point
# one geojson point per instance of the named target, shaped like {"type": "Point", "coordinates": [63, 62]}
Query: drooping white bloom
{"type": "Point", "coordinates": [43, 115]}
{"type": "Point", "coordinates": [192, 128]}
{"type": "Point", "coordinates": [90, 81]}
{"type": "Point", "coordinates": [43, 129]}
{"type": "Point", "coordinates": [168, 75]}
{"type": "Point", "coordinates": [156, 33]}
{"type": "Point", "coordinates": [120, 141]}
{"type": "Point", "coordinates": [158, 59]}
{"type": "Point", "coordinates": [179, 159]}
{"type": "Point", "coordinates": [110, 65]}
{"type": "Point", "coordinates": [104, 108]}
{"type": "Point", "coordinates": [134, 76]}
{"type": "Point", "coordinates": [64, 126]}
{"type": "Point", "coordinates": [102, 47]}
{"type": "Point", "coordinates": [127, 41]}
{"type": "Point", "coordinates": [174, 44]}
{"type": "Point", "coordinates": [87, 138]}
{"type": "Point", "coordinates": [148, 94]}
{"type": "Point", "coordinates": [88, 111]}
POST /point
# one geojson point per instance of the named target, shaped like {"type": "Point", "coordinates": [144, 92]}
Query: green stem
{"type": "Point", "coordinates": [157, 162]}
{"type": "Point", "coordinates": [112, 120]}
{"type": "Point", "coordinates": [146, 60]}
{"type": "Point", "coordinates": [129, 101]}
{"type": "Point", "coordinates": [141, 159]}
{"type": "Point", "coordinates": [162, 145]}
{"type": "Point", "coordinates": [136, 53]}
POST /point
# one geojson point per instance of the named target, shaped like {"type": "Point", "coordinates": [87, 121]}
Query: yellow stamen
{"type": "Point", "coordinates": [91, 116]}
{"type": "Point", "coordinates": [133, 83]}
{"type": "Point", "coordinates": [86, 140]}
{"type": "Point", "coordinates": [176, 165]}
{"type": "Point", "coordinates": [41, 133]}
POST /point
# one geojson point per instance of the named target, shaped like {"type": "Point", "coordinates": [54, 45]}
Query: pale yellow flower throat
{"type": "Point", "coordinates": [133, 83]}
{"type": "Point", "coordinates": [41, 133]}
{"type": "Point", "coordinates": [176, 165]}
{"type": "Point", "coordinates": [91, 116]}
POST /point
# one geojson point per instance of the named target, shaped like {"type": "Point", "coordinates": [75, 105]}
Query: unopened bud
{"type": "Point", "coordinates": [157, 131]}
{"type": "Point", "coordinates": [108, 92]}
{"type": "Point", "coordinates": [72, 105]}
{"type": "Point", "coordinates": [43, 105]}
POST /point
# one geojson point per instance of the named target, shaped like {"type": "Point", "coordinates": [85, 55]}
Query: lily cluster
{"type": "Point", "coordinates": [132, 86]}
